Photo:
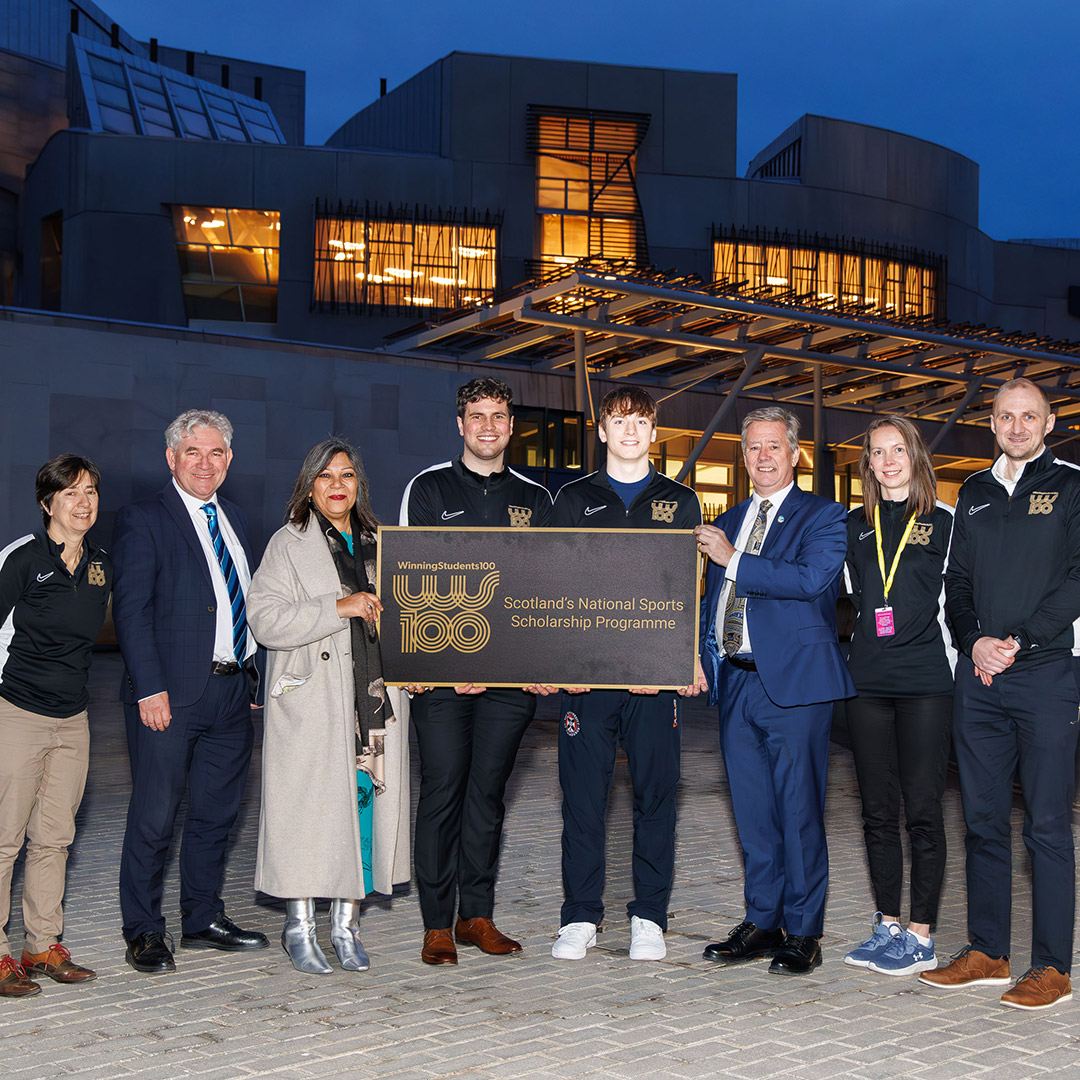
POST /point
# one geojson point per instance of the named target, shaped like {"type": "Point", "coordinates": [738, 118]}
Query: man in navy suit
{"type": "Point", "coordinates": [183, 565]}
{"type": "Point", "coordinates": [771, 658]}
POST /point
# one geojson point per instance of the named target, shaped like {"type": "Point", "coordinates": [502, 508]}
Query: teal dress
{"type": "Point", "coordinates": [365, 800]}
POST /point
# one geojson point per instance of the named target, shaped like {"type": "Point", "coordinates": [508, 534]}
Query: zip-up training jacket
{"type": "Point", "coordinates": [1014, 564]}
{"type": "Point", "coordinates": [451, 495]}
{"type": "Point", "coordinates": [912, 662]}
{"type": "Point", "coordinates": [592, 503]}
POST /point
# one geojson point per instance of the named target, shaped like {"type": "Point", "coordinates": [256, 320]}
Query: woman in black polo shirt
{"type": "Point", "coordinates": [901, 662]}
{"type": "Point", "coordinates": [54, 592]}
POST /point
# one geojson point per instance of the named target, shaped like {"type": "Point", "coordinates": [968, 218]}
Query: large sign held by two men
{"type": "Point", "coordinates": [511, 607]}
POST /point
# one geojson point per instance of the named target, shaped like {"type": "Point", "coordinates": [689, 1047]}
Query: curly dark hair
{"type": "Point", "coordinates": [484, 387]}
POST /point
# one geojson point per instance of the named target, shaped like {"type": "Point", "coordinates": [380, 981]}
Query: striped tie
{"type": "Point", "coordinates": [232, 583]}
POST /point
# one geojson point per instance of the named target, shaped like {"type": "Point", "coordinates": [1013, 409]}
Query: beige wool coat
{"type": "Point", "coordinates": [309, 831]}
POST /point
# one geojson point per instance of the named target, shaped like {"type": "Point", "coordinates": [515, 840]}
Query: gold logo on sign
{"type": "Point", "coordinates": [921, 532]}
{"type": "Point", "coordinates": [427, 624]}
{"type": "Point", "coordinates": [1041, 502]}
{"type": "Point", "coordinates": [95, 575]}
{"type": "Point", "coordinates": [663, 511]}
{"type": "Point", "coordinates": [520, 517]}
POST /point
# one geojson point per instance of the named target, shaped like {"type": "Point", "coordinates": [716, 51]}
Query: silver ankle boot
{"type": "Point", "coordinates": [298, 938]}
{"type": "Point", "coordinates": [345, 935]}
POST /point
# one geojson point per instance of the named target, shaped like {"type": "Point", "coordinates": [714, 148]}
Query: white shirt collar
{"type": "Point", "coordinates": [775, 499]}
{"type": "Point", "coordinates": [997, 470]}
{"type": "Point", "coordinates": [191, 502]}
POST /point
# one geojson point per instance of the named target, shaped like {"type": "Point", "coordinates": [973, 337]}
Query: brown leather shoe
{"type": "Point", "coordinates": [485, 936]}
{"type": "Point", "coordinates": [13, 980]}
{"type": "Point", "coordinates": [969, 967]}
{"type": "Point", "coordinates": [58, 965]}
{"type": "Point", "coordinates": [1038, 988]}
{"type": "Point", "coordinates": [438, 947]}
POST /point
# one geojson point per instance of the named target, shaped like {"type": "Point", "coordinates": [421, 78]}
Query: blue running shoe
{"type": "Point", "coordinates": [906, 955]}
{"type": "Point", "coordinates": [874, 945]}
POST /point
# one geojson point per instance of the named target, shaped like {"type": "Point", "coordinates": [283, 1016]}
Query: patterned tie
{"type": "Point", "coordinates": [232, 583]}
{"type": "Point", "coordinates": [735, 611]}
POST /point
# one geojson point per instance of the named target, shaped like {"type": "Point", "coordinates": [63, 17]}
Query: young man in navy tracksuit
{"type": "Point", "coordinates": [627, 494]}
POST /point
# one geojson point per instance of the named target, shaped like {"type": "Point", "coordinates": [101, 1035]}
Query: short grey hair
{"type": "Point", "coordinates": [182, 426]}
{"type": "Point", "coordinates": [773, 414]}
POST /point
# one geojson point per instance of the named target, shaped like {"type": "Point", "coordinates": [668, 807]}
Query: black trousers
{"type": "Point", "coordinates": [593, 725]}
{"type": "Point", "coordinates": [205, 751]}
{"type": "Point", "coordinates": [1025, 721]}
{"type": "Point", "coordinates": [901, 746]}
{"type": "Point", "coordinates": [468, 744]}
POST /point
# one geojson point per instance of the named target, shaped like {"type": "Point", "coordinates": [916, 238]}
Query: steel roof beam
{"type": "Point", "coordinates": [883, 330]}
{"type": "Point", "coordinates": [570, 322]}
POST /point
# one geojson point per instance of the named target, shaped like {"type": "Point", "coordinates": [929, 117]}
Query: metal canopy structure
{"type": "Point", "coordinates": [676, 333]}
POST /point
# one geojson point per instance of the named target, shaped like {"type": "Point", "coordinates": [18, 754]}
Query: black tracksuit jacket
{"type": "Point", "coordinates": [453, 496]}
{"type": "Point", "coordinates": [592, 503]}
{"type": "Point", "coordinates": [1014, 563]}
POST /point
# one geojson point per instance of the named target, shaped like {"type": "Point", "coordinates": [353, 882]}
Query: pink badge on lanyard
{"type": "Point", "coordinates": [883, 620]}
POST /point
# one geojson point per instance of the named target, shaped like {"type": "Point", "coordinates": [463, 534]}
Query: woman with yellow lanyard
{"type": "Point", "coordinates": [901, 662]}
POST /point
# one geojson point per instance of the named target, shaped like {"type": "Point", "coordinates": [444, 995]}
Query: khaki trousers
{"type": "Point", "coordinates": [43, 766]}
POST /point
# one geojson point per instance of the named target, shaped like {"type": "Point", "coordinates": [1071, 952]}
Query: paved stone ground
{"type": "Point", "coordinates": [222, 1017]}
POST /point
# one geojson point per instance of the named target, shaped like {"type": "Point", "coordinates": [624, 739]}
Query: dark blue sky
{"type": "Point", "coordinates": [997, 80]}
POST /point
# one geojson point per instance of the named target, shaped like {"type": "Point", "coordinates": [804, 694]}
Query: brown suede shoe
{"type": "Point", "coordinates": [485, 936]}
{"type": "Point", "coordinates": [438, 947]}
{"type": "Point", "coordinates": [969, 967]}
{"type": "Point", "coordinates": [13, 980]}
{"type": "Point", "coordinates": [58, 965]}
{"type": "Point", "coordinates": [1038, 988]}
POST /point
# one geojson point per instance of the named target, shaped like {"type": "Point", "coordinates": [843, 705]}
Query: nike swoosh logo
{"type": "Point", "coordinates": [456, 513]}
{"type": "Point", "coordinates": [863, 536]}
{"type": "Point", "coordinates": [45, 577]}
{"type": "Point", "coordinates": [972, 510]}
{"type": "Point", "coordinates": [590, 510]}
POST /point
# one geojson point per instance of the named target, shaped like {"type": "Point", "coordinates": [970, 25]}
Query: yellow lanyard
{"type": "Point", "coordinates": [887, 581]}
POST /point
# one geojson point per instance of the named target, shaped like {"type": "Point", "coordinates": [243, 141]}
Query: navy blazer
{"type": "Point", "coordinates": [790, 590]}
{"type": "Point", "coordinates": [163, 601]}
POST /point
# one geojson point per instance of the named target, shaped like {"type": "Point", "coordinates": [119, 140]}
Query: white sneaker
{"type": "Point", "coordinates": [574, 940]}
{"type": "Point", "coordinates": [646, 940]}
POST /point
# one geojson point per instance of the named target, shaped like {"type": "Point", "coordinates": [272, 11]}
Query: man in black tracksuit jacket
{"type": "Point", "coordinates": [628, 494]}
{"type": "Point", "coordinates": [468, 737]}
{"type": "Point", "coordinates": [1013, 592]}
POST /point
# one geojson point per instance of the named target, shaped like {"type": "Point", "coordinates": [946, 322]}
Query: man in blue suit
{"type": "Point", "coordinates": [771, 658]}
{"type": "Point", "coordinates": [183, 565]}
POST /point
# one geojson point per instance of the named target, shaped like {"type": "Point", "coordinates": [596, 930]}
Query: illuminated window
{"type": "Point", "coordinates": [547, 439]}
{"type": "Point", "coordinates": [228, 262]}
{"type": "Point", "coordinates": [364, 262]}
{"type": "Point", "coordinates": [586, 191]}
{"type": "Point", "coordinates": [873, 278]}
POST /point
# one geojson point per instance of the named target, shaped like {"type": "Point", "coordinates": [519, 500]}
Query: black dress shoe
{"type": "Point", "coordinates": [798, 955]}
{"type": "Point", "coordinates": [224, 934]}
{"type": "Point", "coordinates": [745, 942]}
{"type": "Point", "coordinates": [150, 953]}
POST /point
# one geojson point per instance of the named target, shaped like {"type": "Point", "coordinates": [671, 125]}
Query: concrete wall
{"type": "Point", "coordinates": [120, 259]}
{"type": "Point", "coordinates": [108, 391]}
{"type": "Point", "coordinates": [471, 107]}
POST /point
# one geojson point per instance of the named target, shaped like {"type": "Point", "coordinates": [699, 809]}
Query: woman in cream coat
{"type": "Point", "coordinates": [311, 604]}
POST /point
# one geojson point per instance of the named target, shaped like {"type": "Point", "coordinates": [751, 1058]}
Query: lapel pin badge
{"type": "Point", "coordinates": [780, 519]}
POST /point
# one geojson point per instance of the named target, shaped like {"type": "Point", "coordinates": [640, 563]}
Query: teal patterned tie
{"type": "Point", "coordinates": [735, 611]}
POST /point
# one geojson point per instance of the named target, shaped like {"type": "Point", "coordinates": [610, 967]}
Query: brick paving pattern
{"type": "Point", "coordinates": [229, 1017]}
